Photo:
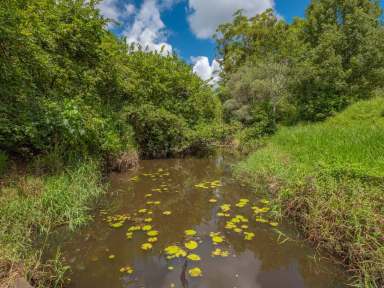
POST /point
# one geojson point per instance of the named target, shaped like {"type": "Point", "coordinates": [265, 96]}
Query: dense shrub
{"type": "Point", "coordinates": [3, 162]}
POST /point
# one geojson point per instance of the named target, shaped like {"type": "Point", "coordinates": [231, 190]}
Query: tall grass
{"type": "Point", "coordinates": [329, 179]}
{"type": "Point", "coordinates": [33, 206]}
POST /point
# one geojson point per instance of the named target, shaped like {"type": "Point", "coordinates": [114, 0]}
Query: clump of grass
{"type": "Point", "coordinates": [329, 179]}
{"type": "Point", "coordinates": [33, 206]}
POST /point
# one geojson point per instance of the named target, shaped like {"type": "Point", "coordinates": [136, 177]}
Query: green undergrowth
{"type": "Point", "coordinates": [329, 179]}
{"type": "Point", "coordinates": [3, 162]}
{"type": "Point", "coordinates": [33, 206]}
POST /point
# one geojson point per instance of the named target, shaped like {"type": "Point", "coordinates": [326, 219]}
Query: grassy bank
{"type": "Point", "coordinates": [30, 208]}
{"type": "Point", "coordinates": [328, 178]}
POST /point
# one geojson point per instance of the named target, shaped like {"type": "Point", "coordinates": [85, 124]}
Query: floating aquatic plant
{"type": "Point", "coordinates": [152, 233]}
{"type": "Point", "coordinates": [146, 246]}
{"type": "Point", "coordinates": [194, 257]}
{"type": "Point", "coordinates": [127, 269]}
{"type": "Point", "coordinates": [174, 251]}
{"type": "Point", "coordinates": [190, 232]}
{"type": "Point", "coordinates": [219, 252]}
{"type": "Point", "coordinates": [191, 245]}
{"type": "Point", "coordinates": [249, 236]}
{"type": "Point", "coordinates": [195, 272]}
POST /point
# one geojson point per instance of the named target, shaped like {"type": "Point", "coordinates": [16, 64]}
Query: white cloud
{"type": "Point", "coordinates": [206, 15]}
{"type": "Point", "coordinates": [205, 70]}
{"type": "Point", "coordinates": [148, 29]}
{"type": "Point", "coordinates": [109, 9]}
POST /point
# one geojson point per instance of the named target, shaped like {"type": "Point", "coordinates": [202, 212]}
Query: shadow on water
{"type": "Point", "coordinates": [102, 256]}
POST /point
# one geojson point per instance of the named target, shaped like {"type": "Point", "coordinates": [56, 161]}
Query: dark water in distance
{"type": "Point", "coordinates": [267, 261]}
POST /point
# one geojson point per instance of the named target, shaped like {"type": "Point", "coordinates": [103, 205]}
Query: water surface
{"type": "Point", "coordinates": [102, 256]}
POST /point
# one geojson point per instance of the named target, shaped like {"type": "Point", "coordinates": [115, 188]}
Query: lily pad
{"type": "Point", "coordinates": [195, 272]}
{"type": "Point", "coordinates": [191, 245]}
{"type": "Point", "coordinates": [194, 257]}
{"type": "Point", "coordinates": [152, 233]}
{"type": "Point", "coordinates": [146, 246]}
{"type": "Point", "coordinates": [190, 232]}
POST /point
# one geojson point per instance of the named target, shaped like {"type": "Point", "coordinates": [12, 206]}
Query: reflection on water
{"type": "Point", "coordinates": [100, 254]}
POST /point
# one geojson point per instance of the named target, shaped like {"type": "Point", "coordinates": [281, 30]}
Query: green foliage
{"type": "Point", "coordinates": [333, 57]}
{"type": "Point", "coordinates": [328, 178]}
{"type": "Point", "coordinates": [65, 81]}
{"type": "Point", "coordinates": [35, 205]}
{"type": "Point", "coordinates": [3, 162]}
{"type": "Point", "coordinates": [158, 133]}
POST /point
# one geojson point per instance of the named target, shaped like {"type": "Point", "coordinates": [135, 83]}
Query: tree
{"type": "Point", "coordinates": [345, 58]}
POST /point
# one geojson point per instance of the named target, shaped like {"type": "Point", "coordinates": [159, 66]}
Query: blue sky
{"type": "Point", "coordinates": [186, 26]}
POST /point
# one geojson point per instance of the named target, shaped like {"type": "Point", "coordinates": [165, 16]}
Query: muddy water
{"type": "Point", "coordinates": [102, 256]}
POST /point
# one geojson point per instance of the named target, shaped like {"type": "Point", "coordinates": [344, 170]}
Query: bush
{"type": "Point", "coordinates": [3, 162]}
{"type": "Point", "coordinates": [158, 132]}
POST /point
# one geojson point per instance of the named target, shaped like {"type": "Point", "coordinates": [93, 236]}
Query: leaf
{"type": "Point", "coordinates": [152, 233]}
{"type": "Point", "coordinates": [191, 245]}
{"type": "Point", "coordinates": [146, 228]}
{"type": "Point", "coordinates": [174, 251]}
{"type": "Point", "coordinates": [190, 232]}
{"type": "Point", "coordinates": [195, 272]}
{"type": "Point", "coordinates": [194, 257]}
{"type": "Point", "coordinates": [152, 239]}
{"type": "Point", "coordinates": [146, 246]}
{"type": "Point", "coordinates": [249, 236]}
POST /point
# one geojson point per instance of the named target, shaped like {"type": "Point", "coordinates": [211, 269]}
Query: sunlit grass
{"type": "Point", "coordinates": [328, 178]}
{"type": "Point", "coordinates": [33, 206]}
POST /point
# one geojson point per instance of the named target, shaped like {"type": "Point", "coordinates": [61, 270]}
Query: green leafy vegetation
{"type": "Point", "coordinates": [280, 73]}
{"type": "Point", "coordinates": [32, 207]}
{"type": "Point", "coordinates": [328, 179]}
{"type": "Point", "coordinates": [3, 162]}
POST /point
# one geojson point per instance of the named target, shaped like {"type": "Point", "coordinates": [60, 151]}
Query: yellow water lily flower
{"type": "Point", "coordinates": [274, 224]}
{"type": "Point", "coordinates": [194, 257]}
{"type": "Point", "coordinates": [170, 268]}
{"type": "Point", "coordinates": [111, 257]}
{"type": "Point", "coordinates": [152, 233]}
{"type": "Point", "coordinates": [212, 200]}
{"type": "Point", "coordinates": [167, 213]}
{"type": "Point", "coordinates": [148, 220]}
{"type": "Point", "coordinates": [195, 272]}
{"type": "Point", "coordinates": [142, 211]}
{"type": "Point", "coordinates": [191, 245]}
{"type": "Point", "coordinates": [152, 239]}
{"type": "Point", "coordinates": [146, 246]}
{"type": "Point", "coordinates": [190, 232]}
